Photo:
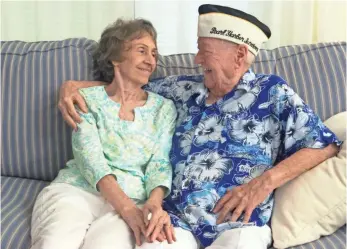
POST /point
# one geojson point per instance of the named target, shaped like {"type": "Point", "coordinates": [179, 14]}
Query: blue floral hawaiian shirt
{"type": "Point", "coordinates": [217, 147]}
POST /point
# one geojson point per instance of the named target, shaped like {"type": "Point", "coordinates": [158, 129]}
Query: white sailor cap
{"type": "Point", "coordinates": [233, 25]}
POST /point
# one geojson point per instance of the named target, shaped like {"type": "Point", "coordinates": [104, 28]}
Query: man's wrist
{"type": "Point", "coordinates": [268, 181]}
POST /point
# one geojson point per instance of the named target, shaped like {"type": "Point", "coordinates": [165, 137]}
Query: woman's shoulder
{"type": "Point", "coordinates": [162, 105]}
{"type": "Point", "coordinates": [93, 95]}
{"type": "Point", "coordinates": [161, 101]}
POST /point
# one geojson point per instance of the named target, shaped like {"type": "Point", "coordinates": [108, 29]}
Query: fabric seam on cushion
{"type": "Point", "coordinates": [340, 203]}
{"type": "Point", "coordinates": [45, 51]}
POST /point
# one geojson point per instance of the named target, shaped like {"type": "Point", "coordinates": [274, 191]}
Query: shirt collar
{"type": "Point", "coordinates": [244, 83]}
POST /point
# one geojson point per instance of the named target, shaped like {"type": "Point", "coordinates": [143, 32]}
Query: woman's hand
{"type": "Point", "coordinates": [158, 223]}
{"type": "Point", "coordinates": [133, 216]}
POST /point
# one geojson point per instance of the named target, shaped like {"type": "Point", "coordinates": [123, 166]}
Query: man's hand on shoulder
{"type": "Point", "coordinates": [69, 96]}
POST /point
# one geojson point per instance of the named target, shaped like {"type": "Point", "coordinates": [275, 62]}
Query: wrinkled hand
{"type": "Point", "coordinates": [242, 199]}
{"type": "Point", "coordinates": [133, 216]}
{"type": "Point", "coordinates": [68, 96]}
{"type": "Point", "coordinates": [159, 226]}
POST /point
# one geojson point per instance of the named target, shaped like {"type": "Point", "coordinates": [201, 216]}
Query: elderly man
{"type": "Point", "coordinates": [238, 137]}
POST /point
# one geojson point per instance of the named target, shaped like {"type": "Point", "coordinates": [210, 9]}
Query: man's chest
{"type": "Point", "coordinates": [250, 134]}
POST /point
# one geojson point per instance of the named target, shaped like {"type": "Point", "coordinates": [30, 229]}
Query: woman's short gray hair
{"type": "Point", "coordinates": [112, 44]}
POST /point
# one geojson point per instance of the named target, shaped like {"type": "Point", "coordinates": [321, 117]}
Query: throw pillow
{"type": "Point", "coordinates": [313, 204]}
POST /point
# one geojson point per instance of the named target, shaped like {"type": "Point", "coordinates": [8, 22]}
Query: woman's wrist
{"type": "Point", "coordinates": [113, 193]}
{"type": "Point", "coordinates": [157, 195]}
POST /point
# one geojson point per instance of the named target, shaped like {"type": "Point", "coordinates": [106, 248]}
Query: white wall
{"type": "Point", "coordinates": [291, 22]}
{"type": "Point", "coordinates": [54, 20]}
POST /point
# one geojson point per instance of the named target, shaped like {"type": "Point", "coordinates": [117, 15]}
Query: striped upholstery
{"type": "Point", "coordinates": [35, 140]}
{"type": "Point", "coordinates": [17, 199]}
{"type": "Point", "coordinates": [336, 240]}
{"type": "Point", "coordinates": [316, 72]}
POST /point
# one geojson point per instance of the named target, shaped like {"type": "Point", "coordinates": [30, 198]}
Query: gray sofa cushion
{"type": "Point", "coordinates": [316, 72]}
{"type": "Point", "coordinates": [35, 140]}
{"type": "Point", "coordinates": [336, 240]}
{"type": "Point", "coordinates": [17, 200]}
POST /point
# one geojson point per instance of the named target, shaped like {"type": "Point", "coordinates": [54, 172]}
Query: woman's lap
{"type": "Point", "coordinates": [67, 217]}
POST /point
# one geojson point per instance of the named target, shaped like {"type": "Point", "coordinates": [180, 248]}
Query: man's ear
{"type": "Point", "coordinates": [242, 52]}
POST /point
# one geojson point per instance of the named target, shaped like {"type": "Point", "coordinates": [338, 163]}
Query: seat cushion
{"type": "Point", "coordinates": [17, 200]}
{"type": "Point", "coordinates": [336, 240]}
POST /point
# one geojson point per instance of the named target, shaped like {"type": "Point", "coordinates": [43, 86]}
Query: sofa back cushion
{"type": "Point", "coordinates": [317, 72]}
{"type": "Point", "coordinates": [35, 140]}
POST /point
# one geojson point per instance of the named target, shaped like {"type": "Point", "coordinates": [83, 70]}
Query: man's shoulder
{"type": "Point", "coordinates": [271, 79]}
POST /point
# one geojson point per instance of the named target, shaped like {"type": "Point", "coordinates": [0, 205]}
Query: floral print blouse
{"type": "Point", "coordinates": [135, 152]}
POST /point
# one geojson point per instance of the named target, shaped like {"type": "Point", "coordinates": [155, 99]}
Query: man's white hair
{"type": "Point", "coordinates": [250, 58]}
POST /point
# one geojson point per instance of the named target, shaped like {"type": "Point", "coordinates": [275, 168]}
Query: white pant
{"type": "Point", "coordinates": [240, 238]}
{"type": "Point", "coordinates": [67, 217]}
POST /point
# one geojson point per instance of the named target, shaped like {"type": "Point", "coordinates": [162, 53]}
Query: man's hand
{"type": "Point", "coordinates": [159, 225]}
{"type": "Point", "coordinates": [244, 198]}
{"type": "Point", "coordinates": [68, 97]}
{"type": "Point", "coordinates": [133, 216]}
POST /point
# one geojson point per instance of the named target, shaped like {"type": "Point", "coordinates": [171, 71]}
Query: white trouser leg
{"type": "Point", "coordinates": [109, 231]}
{"type": "Point", "coordinates": [61, 216]}
{"type": "Point", "coordinates": [243, 238]}
{"type": "Point", "coordinates": [185, 240]}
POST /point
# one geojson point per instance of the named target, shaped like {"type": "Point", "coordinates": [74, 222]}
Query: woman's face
{"type": "Point", "coordinates": [139, 60]}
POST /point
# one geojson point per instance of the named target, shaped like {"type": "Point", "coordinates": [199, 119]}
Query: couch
{"type": "Point", "coordinates": [35, 141]}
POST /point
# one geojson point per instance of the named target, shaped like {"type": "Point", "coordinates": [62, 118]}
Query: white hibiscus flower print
{"type": "Point", "coordinates": [207, 166]}
{"type": "Point", "coordinates": [206, 198]}
{"type": "Point", "coordinates": [179, 170]}
{"type": "Point", "coordinates": [182, 114]}
{"type": "Point", "coordinates": [208, 130]}
{"type": "Point", "coordinates": [246, 131]}
{"type": "Point", "coordinates": [254, 171]}
{"type": "Point", "coordinates": [185, 141]}
{"type": "Point", "coordinates": [296, 129]}
{"type": "Point", "coordinates": [270, 137]}
{"type": "Point", "coordinates": [282, 95]}
{"type": "Point", "coordinates": [241, 101]}
{"type": "Point", "coordinates": [184, 90]}
{"type": "Point", "coordinates": [195, 215]}
{"type": "Point", "coordinates": [248, 76]}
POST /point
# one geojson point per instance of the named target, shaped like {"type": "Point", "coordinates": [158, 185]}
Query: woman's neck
{"type": "Point", "coordinates": [127, 93]}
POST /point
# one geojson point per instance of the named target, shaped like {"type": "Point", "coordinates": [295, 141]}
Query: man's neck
{"type": "Point", "coordinates": [214, 96]}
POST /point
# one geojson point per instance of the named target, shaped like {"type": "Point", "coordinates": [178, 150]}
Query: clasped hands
{"type": "Point", "coordinates": [150, 221]}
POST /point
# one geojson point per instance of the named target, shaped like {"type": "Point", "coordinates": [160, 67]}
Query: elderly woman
{"type": "Point", "coordinates": [110, 195]}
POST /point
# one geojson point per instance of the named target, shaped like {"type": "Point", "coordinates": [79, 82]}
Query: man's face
{"type": "Point", "coordinates": [217, 57]}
